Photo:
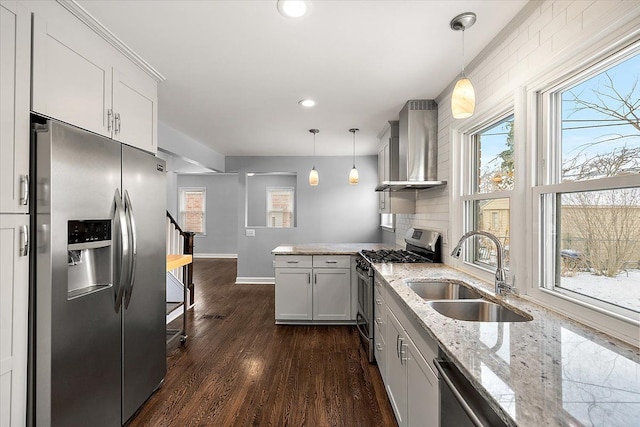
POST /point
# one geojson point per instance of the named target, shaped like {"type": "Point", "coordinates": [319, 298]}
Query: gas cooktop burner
{"type": "Point", "coordinates": [393, 256]}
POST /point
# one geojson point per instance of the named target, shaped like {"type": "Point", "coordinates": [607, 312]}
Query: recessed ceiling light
{"type": "Point", "coordinates": [293, 8]}
{"type": "Point", "coordinates": [308, 103]}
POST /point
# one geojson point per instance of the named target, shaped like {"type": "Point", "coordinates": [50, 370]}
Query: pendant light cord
{"type": "Point", "coordinates": [354, 149]}
{"type": "Point", "coordinates": [463, 75]}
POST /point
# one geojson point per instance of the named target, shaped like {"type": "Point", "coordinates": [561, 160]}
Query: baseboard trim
{"type": "Point", "coordinates": [255, 280]}
{"type": "Point", "coordinates": [215, 255]}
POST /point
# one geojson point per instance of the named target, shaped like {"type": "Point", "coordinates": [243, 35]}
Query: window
{"type": "Point", "coordinates": [192, 210]}
{"type": "Point", "coordinates": [486, 198]}
{"type": "Point", "coordinates": [388, 221]}
{"type": "Point", "coordinates": [589, 187]}
{"type": "Point", "coordinates": [280, 207]}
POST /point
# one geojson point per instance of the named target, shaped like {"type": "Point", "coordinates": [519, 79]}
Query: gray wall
{"type": "Point", "coordinates": [332, 212]}
{"type": "Point", "coordinates": [221, 212]}
{"type": "Point", "coordinates": [256, 196]}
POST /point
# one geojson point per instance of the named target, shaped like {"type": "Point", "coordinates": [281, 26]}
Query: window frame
{"type": "Point", "coordinates": [543, 130]}
{"type": "Point", "coordinates": [274, 189]}
{"type": "Point", "coordinates": [182, 208]}
{"type": "Point", "coordinates": [463, 200]}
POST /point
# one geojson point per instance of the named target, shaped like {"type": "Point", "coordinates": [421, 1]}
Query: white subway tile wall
{"type": "Point", "coordinates": [543, 34]}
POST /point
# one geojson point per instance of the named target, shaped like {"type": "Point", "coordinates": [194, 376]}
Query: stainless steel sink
{"type": "Point", "coordinates": [441, 289]}
{"type": "Point", "coordinates": [477, 311]}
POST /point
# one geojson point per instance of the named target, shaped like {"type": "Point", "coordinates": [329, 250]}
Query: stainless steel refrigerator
{"type": "Point", "coordinates": [98, 325]}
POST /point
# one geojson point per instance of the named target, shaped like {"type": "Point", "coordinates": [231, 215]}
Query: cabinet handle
{"type": "Point", "coordinates": [378, 321]}
{"type": "Point", "coordinates": [117, 123]}
{"type": "Point", "coordinates": [378, 301]}
{"type": "Point", "coordinates": [24, 190]}
{"type": "Point", "coordinates": [315, 278]}
{"type": "Point", "coordinates": [397, 345]}
{"type": "Point", "coordinates": [109, 119]}
{"type": "Point", "coordinates": [403, 351]}
{"type": "Point", "coordinates": [308, 278]}
{"type": "Point", "coordinates": [292, 262]}
{"type": "Point", "coordinates": [24, 240]}
{"type": "Point", "coordinates": [331, 262]}
{"type": "Point", "coordinates": [379, 347]}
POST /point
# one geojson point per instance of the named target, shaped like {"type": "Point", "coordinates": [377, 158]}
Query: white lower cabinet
{"type": "Point", "coordinates": [313, 288]}
{"type": "Point", "coordinates": [294, 299]}
{"type": "Point", "coordinates": [410, 380]}
{"type": "Point", "coordinates": [14, 299]}
{"type": "Point", "coordinates": [332, 294]}
{"type": "Point", "coordinates": [380, 328]}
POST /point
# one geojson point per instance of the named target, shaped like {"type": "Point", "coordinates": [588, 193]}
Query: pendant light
{"type": "Point", "coordinates": [313, 175]}
{"type": "Point", "coordinates": [463, 98]}
{"type": "Point", "coordinates": [353, 175]}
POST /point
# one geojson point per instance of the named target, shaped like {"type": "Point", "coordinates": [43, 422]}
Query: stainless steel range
{"type": "Point", "coordinates": [423, 246]}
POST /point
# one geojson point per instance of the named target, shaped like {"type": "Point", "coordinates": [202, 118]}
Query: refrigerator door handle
{"type": "Point", "coordinates": [123, 250]}
{"type": "Point", "coordinates": [128, 207]}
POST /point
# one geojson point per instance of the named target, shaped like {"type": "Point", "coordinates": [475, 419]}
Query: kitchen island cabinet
{"type": "Point", "coordinates": [294, 298]}
{"type": "Point", "coordinates": [313, 288]}
{"type": "Point", "coordinates": [298, 266]}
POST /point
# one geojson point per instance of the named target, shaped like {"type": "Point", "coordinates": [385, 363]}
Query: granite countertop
{"type": "Point", "coordinates": [551, 371]}
{"type": "Point", "coordinates": [328, 248]}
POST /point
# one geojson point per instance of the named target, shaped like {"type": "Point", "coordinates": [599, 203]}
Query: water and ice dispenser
{"type": "Point", "coordinates": [89, 256]}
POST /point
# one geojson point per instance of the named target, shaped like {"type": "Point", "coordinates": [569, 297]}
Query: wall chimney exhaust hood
{"type": "Point", "coordinates": [418, 148]}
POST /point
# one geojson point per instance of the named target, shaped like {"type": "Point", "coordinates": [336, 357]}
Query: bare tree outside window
{"type": "Point", "coordinates": [600, 229]}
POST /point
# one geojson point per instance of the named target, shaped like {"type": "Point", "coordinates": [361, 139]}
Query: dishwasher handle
{"type": "Point", "coordinates": [444, 375]}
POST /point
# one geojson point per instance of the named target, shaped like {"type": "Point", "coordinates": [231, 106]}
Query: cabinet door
{"type": "Point", "coordinates": [423, 405]}
{"type": "Point", "coordinates": [332, 294]}
{"type": "Point", "coordinates": [14, 294]}
{"type": "Point", "coordinates": [396, 369]}
{"type": "Point", "coordinates": [379, 336]}
{"type": "Point", "coordinates": [293, 294]}
{"type": "Point", "coordinates": [135, 110]}
{"type": "Point", "coordinates": [71, 75]}
{"type": "Point", "coordinates": [15, 53]}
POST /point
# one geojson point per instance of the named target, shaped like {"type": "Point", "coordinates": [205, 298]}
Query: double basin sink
{"type": "Point", "coordinates": [457, 301]}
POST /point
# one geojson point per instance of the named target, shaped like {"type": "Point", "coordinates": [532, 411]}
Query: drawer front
{"type": "Point", "coordinates": [294, 261]}
{"type": "Point", "coordinates": [331, 261]}
{"type": "Point", "coordinates": [380, 317]}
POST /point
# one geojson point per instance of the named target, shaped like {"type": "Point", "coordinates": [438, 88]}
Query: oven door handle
{"type": "Point", "coordinates": [359, 321]}
{"type": "Point", "coordinates": [362, 275]}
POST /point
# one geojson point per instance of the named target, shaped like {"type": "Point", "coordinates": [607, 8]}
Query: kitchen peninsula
{"type": "Point", "coordinates": [550, 370]}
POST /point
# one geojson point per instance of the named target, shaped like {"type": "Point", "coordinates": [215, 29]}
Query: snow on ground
{"type": "Point", "coordinates": [622, 290]}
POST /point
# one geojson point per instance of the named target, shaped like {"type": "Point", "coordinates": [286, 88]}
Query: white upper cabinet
{"type": "Point", "coordinates": [71, 77]}
{"type": "Point", "coordinates": [135, 110]}
{"type": "Point", "coordinates": [81, 79]}
{"type": "Point", "coordinates": [15, 53]}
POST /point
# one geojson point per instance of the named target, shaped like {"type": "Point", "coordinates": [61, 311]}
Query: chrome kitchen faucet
{"type": "Point", "coordinates": [501, 276]}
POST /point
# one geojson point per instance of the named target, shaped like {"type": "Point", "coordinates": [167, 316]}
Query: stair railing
{"type": "Point", "coordinates": [181, 242]}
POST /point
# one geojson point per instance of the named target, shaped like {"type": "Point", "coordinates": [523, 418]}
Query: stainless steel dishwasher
{"type": "Point", "coordinates": [460, 403]}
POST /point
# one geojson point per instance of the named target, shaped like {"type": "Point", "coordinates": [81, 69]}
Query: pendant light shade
{"type": "Point", "coordinates": [314, 178]}
{"type": "Point", "coordinates": [353, 175]}
{"type": "Point", "coordinates": [463, 98]}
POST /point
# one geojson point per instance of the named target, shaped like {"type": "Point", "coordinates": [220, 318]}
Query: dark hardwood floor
{"type": "Point", "coordinates": [239, 369]}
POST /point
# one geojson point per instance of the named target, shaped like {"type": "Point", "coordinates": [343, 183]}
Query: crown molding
{"type": "Point", "coordinates": [88, 19]}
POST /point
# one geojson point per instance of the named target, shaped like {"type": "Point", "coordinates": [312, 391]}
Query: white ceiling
{"type": "Point", "coordinates": [235, 70]}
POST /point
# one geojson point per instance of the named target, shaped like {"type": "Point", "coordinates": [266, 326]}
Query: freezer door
{"type": "Point", "coordinates": [144, 328]}
{"type": "Point", "coordinates": [77, 342]}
